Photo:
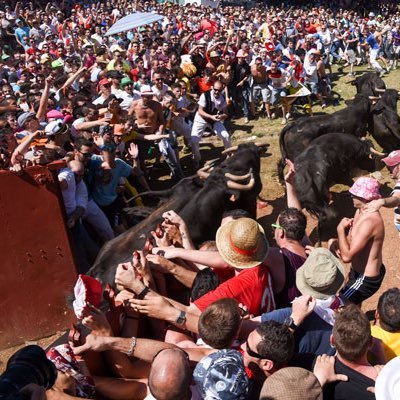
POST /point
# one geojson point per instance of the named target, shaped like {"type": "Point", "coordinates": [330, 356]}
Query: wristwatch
{"type": "Point", "coordinates": [181, 319]}
{"type": "Point", "coordinates": [290, 323]}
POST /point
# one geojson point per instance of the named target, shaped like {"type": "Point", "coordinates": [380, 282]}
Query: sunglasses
{"type": "Point", "coordinates": [276, 226]}
{"type": "Point", "coordinates": [252, 353]}
{"type": "Point", "coordinates": [217, 90]}
{"type": "Point", "coordinates": [158, 79]}
{"type": "Point", "coordinates": [86, 155]}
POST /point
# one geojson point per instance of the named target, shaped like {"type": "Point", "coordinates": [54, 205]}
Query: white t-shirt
{"type": "Point", "coordinates": [219, 103]}
{"type": "Point", "coordinates": [75, 195]}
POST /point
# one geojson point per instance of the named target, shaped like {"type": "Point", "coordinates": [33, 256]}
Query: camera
{"type": "Point", "coordinates": [27, 365]}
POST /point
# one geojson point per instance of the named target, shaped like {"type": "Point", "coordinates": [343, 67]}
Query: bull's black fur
{"type": "Point", "coordinates": [368, 83]}
{"type": "Point", "coordinates": [295, 137]}
{"type": "Point", "coordinates": [200, 204]}
{"type": "Point", "coordinates": [386, 122]}
{"type": "Point", "coordinates": [328, 160]}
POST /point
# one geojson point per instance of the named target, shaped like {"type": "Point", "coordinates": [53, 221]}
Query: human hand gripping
{"type": "Point", "coordinates": [155, 306]}
{"type": "Point", "coordinates": [373, 205]}
{"type": "Point", "coordinates": [126, 278]}
{"type": "Point", "coordinates": [324, 370]}
{"type": "Point", "coordinates": [302, 307]}
{"type": "Point", "coordinates": [291, 173]}
{"type": "Point", "coordinates": [92, 343]}
{"type": "Point", "coordinates": [96, 321]}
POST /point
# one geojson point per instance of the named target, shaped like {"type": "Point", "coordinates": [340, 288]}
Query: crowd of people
{"type": "Point", "coordinates": [249, 320]}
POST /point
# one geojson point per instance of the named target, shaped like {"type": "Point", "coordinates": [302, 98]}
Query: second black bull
{"type": "Point", "coordinates": [330, 159]}
{"type": "Point", "coordinates": [199, 200]}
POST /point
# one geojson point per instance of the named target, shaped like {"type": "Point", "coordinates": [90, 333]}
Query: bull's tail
{"type": "Point", "coordinates": [282, 161]}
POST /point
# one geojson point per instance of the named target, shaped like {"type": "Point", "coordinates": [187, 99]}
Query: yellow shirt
{"type": "Point", "coordinates": [391, 341]}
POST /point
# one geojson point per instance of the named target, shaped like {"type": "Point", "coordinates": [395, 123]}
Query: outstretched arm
{"type": "Point", "coordinates": [292, 199]}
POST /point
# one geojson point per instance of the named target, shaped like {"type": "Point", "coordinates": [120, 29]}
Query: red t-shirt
{"type": "Point", "coordinates": [252, 287]}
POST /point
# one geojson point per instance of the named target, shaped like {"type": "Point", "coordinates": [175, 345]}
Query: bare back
{"type": "Point", "coordinates": [368, 260]}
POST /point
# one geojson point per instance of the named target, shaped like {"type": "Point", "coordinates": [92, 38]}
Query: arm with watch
{"type": "Point", "coordinates": [152, 304]}
{"type": "Point", "coordinates": [302, 307]}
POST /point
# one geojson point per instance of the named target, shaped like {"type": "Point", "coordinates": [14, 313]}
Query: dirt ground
{"type": "Point", "coordinates": [263, 131]}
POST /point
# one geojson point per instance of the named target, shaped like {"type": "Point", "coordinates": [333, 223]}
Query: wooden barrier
{"type": "Point", "coordinates": [36, 263]}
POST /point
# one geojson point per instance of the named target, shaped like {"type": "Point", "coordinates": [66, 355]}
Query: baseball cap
{"type": "Point", "coordinates": [366, 188]}
{"type": "Point", "coordinates": [57, 64]}
{"type": "Point", "coordinates": [24, 117]}
{"type": "Point", "coordinates": [146, 90]}
{"type": "Point", "coordinates": [221, 376]}
{"type": "Point", "coordinates": [56, 127]}
{"type": "Point", "coordinates": [125, 81]}
{"type": "Point", "coordinates": [55, 114]}
{"type": "Point", "coordinates": [392, 159]}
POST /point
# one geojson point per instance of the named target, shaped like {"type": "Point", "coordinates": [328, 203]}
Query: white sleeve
{"type": "Point", "coordinates": [202, 100]}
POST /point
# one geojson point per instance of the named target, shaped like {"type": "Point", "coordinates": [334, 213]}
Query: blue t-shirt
{"type": "Point", "coordinates": [372, 42]}
{"type": "Point", "coordinates": [21, 32]}
{"type": "Point", "coordinates": [105, 181]}
{"type": "Point", "coordinates": [312, 336]}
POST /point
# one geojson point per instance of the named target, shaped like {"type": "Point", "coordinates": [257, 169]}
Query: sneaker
{"type": "Point", "coordinates": [323, 105]}
{"type": "Point", "coordinates": [273, 116]}
{"type": "Point", "coordinates": [284, 121]}
{"type": "Point", "coordinates": [387, 70]}
{"type": "Point", "coordinates": [288, 115]}
{"type": "Point", "coordinates": [245, 120]}
{"type": "Point", "coordinates": [382, 73]}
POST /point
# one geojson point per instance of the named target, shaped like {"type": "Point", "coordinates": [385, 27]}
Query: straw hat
{"type": "Point", "coordinates": [242, 243]}
{"type": "Point", "coordinates": [321, 275]}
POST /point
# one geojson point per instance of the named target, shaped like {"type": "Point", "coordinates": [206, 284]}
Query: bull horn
{"type": "Point", "coordinates": [377, 153]}
{"type": "Point", "coordinates": [211, 162]}
{"type": "Point", "coordinates": [202, 172]}
{"type": "Point", "coordinates": [379, 90]}
{"type": "Point", "coordinates": [374, 97]}
{"type": "Point", "coordinates": [230, 150]}
{"type": "Point", "coordinates": [238, 178]}
{"type": "Point", "coordinates": [241, 187]}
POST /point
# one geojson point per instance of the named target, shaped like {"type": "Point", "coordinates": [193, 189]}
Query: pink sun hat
{"type": "Point", "coordinates": [367, 188]}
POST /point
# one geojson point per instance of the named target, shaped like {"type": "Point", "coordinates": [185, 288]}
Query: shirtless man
{"type": "Point", "coordinates": [260, 78]}
{"type": "Point", "coordinates": [360, 241]}
{"type": "Point", "coordinates": [149, 120]}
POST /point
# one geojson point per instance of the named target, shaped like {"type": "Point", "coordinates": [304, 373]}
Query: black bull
{"type": "Point", "coordinates": [328, 160]}
{"type": "Point", "coordinates": [370, 84]}
{"type": "Point", "coordinates": [386, 122]}
{"type": "Point", "coordinates": [200, 203]}
{"type": "Point", "coordinates": [295, 137]}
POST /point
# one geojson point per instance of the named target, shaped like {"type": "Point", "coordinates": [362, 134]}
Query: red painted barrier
{"type": "Point", "coordinates": [37, 266]}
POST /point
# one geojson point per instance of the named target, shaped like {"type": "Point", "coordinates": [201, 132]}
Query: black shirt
{"type": "Point", "coordinates": [354, 389]}
{"type": "Point", "coordinates": [240, 71]}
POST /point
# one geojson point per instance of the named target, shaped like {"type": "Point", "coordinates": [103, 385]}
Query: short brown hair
{"type": "Point", "coordinates": [352, 333]}
{"type": "Point", "coordinates": [219, 323]}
